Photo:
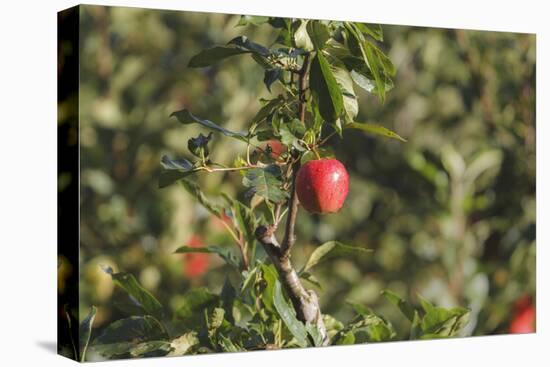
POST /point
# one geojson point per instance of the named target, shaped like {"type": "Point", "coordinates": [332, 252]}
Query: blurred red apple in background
{"type": "Point", "coordinates": [196, 264]}
{"type": "Point", "coordinates": [523, 321]}
{"type": "Point", "coordinates": [277, 148]}
{"type": "Point", "coordinates": [322, 185]}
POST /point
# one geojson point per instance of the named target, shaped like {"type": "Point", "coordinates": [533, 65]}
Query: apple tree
{"type": "Point", "coordinates": [285, 163]}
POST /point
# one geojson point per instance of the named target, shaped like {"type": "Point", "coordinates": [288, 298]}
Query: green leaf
{"type": "Point", "coordinates": [318, 33]}
{"type": "Point", "coordinates": [374, 129]}
{"type": "Point", "coordinates": [229, 256]}
{"type": "Point", "coordinates": [268, 109]}
{"type": "Point", "coordinates": [167, 178]}
{"type": "Point", "coordinates": [186, 117]}
{"type": "Point", "coordinates": [406, 308]}
{"type": "Point", "coordinates": [301, 37]}
{"type": "Point", "coordinates": [346, 338]}
{"type": "Point", "coordinates": [215, 320]}
{"type": "Point", "coordinates": [174, 170]}
{"type": "Point", "coordinates": [139, 295]}
{"type": "Point", "coordinates": [360, 309]}
{"type": "Point", "coordinates": [444, 322]}
{"type": "Point", "coordinates": [373, 30]}
{"type": "Point", "coordinates": [249, 278]}
{"type": "Point", "coordinates": [181, 345]}
{"type": "Point", "coordinates": [247, 224]}
{"type": "Point", "coordinates": [333, 325]}
{"type": "Point", "coordinates": [132, 329]}
{"type": "Point", "coordinates": [344, 80]}
{"type": "Point", "coordinates": [325, 90]}
{"type": "Point", "coordinates": [199, 146]}
{"type": "Point", "coordinates": [296, 328]}
{"type": "Point", "coordinates": [416, 330]}
{"type": "Point", "coordinates": [374, 66]}
{"type": "Point", "coordinates": [308, 277]}
{"type": "Point", "coordinates": [195, 190]}
{"type": "Point", "coordinates": [213, 55]}
{"type": "Point", "coordinates": [155, 348]}
{"type": "Point", "coordinates": [369, 328]}
{"type": "Point", "coordinates": [85, 332]}
{"type": "Point", "coordinates": [271, 76]}
{"type": "Point", "coordinates": [331, 248]}
{"type": "Point", "coordinates": [363, 81]}
{"type": "Point", "coordinates": [426, 305]}
{"type": "Point", "coordinates": [242, 42]}
{"type": "Point", "coordinates": [252, 19]}
{"type": "Point", "coordinates": [315, 334]}
{"type": "Point", "coordinates": [379, 65]}
{"type": "Point", "coordinates": [195, 301]}
{"type": "Point", "coordinates": [265, 182]}
{"type": "Point", "coordinates": [291, 132]}
{"type": "Point", "coordinates": [270, 276]}
{"type": "Point", "coordinates": [227, 345]}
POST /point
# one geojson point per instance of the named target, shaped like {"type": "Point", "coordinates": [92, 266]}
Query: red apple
{"type": "Point", "coordinates": [523, 321]}
{"type": "Point", "coordinates": [277, 148]}
{"type": "Point", "coordinates": [195, 263]}
{"type": "Point", "coordinates": [322, 185]}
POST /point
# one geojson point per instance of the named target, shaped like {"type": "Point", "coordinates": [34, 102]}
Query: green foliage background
{"type": "Point", "coordinates": [450, 214]}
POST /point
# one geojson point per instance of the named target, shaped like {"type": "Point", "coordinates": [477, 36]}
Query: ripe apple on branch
{"type": "Point", "coordinates": [317, 68]}
{"type": "Point", "coordinates": [311, 71]}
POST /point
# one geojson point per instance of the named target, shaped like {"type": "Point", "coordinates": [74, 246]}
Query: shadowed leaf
{"type": "Point", "coordinates": [265, 182]}
{"type": "Point", "coordinates": [132, 329]}
{"type": "Point", "coordinates": [325, 90]}
{"type": "Point", "coordinates": [186, 117]}
{"type": "Point", "coordinates": [406, 308]}
{"type": "Point", "coordinates": [138, 294]}
{"type": "Point", "coordinates": [296, 328]}
{"type": "Point", "coordinates": [213, 55]}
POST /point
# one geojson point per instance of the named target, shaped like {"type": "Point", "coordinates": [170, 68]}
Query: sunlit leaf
{"type": "Point", "coordinates": [154, 348]}
{"type": "Point", "coordinates": [318, 33]}
{"type": "Point", "coordinates": [85, 332]}
{"type": "Point", "coordinates": [252, 19]}
{"type": "Point", "coordinates": [373, 30]}
{"type": "Point", "coordinates": [301, 37]}
{"type": "Point", "coordinates": [374, 129]}
{"type": "Point", "coordinates": [181, 345]}
{"type": "Point", "coordinates": [331, 249]}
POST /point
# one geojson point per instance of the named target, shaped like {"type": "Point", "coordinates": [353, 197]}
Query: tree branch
{"type": "Point", "coordinates": [305, 302]}
{"type": "Point", "coordinates": [290, 237]}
